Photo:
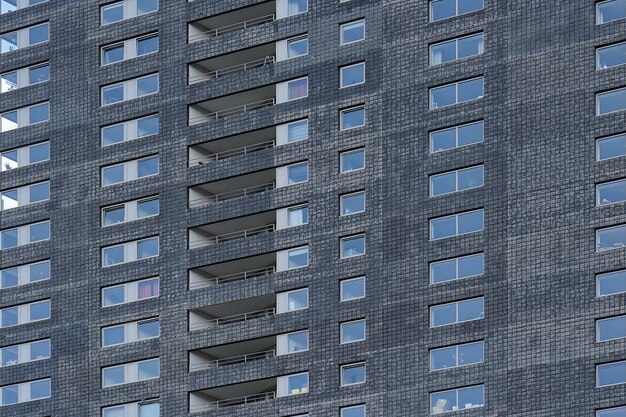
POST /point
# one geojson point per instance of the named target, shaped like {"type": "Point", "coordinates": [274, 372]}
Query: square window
{"type": "Point", "coordinates": [147, 167]}
{"type": "Point", "coordinates": [39, 113]}
{"type": "Point", "coordinates": [148, 126]}
{"type": "Point", "coordinates": [611, 238]}
{"type": "Point", "coordinates": [113, 335]}
{"type": "Point", "coordinates": [8, 81]}
{"type": "Point", "coordinates": [352, 161]}
{"type": "Point", "coordinates": [353, 411]}
{"type": "Point", "coordinates": [9, 278]}
{"type": "Point", "coordinates": [148, 369]}
{"type": "Point", "coordinates": [352, 289]}
{"type": "Point", "coordinates": [611, 101]}
{"type": "Point", "coordinates": [8, 239]}
{"type": "Point", "coordinates": [114, 215]}
{"type": "Point", "coordinates": [10, 356]}
{"type": "Point", "coordinates": [298, 384]}
{"type": "Point", "coordinates": [147, 45]}
{"type": "Point", "coordinates": [611, 56]}
{"type": "Point", "coordinates": [297, 216]}
{"type": "Point", "coordinates": [147, 6]}
{"type": "Point", "coordinates": [298, 299]}
{"type": "Point", "coordinates": [148, 289]}
{"type": "Point", "coordinates": [113, 255]}
{"type": "Point", "coordinates": [297, 89]}
{"type": "Point", "coordinates": [296, 7]}
{"type": "Point", "coordinates": [297, 47]}
{"type": "Point", "coordinates": [8, 42]}
{"type": "Point", "coordinates": [610, 10]}
{"type": "Point", "coordinates": [298, 258]}
{"type": "Point", "coordinates": [611, 328]}
{"type": "Point", "coordinates": [352, 246]}
{"type": "Point", "coordinates": [297, 131]}
{"type": "Point", "coordinates": [353, 374]}
{"type": "Point", "coordinates": [112, 54]}
{"type": "Point", "coordinates": [39, 232]}
{"type": "Point", "coordinates": [298, 173]}
{"type": "Point", "coordinates": [113, 376]}
{"type": "Point", "coordinates": [112, 13]}
{"type": "Point", "coordinates": [40, 350]}
{"type": "Point", "coordinates": [148, 248]}
{"type": "Point", "coordinates": [40, 271]}
{"type": "Point", "coordinates": [38, 153]}
{"type": "Point", "coordinates": [39, 192]}
{"type": "Point", "coordinates": [148, 208]}
{"type": "Point", "coordinates": [352, 75]}
{"type": "Point", "coordinates": [352, 32]}
{"type": "Point", "coordinates": [611, 193]}
{"type": "Point", "coordinates": [148, 329]}
{"type": "Point", "coordinates": [352, 331]}
{"type": "Point", "coordinates": [113, 296]}
{"type": "Point", "coordinates": [40, 311]}
{"type": "Point", "coordinates": [611, 147]}
{"type": "Point", "coordinates": [39, 389]}
{"type": "Point", "coordinates": [148, 85]}
{"type": "Point", "coordinates": [38, 34]}
{"type": "Point", "coordinates": [298, 342]}
{"type": "Point", "coordinates": [8, 121]}
{"type": "Point", "coordinates": [352, 118]}
{"type": "Point", "coordinates": [38, 74]}
{"type": "Point", "coordinates": [10, 317]}
{"type": "Point", "coordinates": [352, 203]}
{"type": "Point", "coordinates": [149, 410]}
{"type": "Point", "coordinates": [611, 283]}
{"type": "Point", "coordinates": [113, 94]}
{"type": "Point", "coordinates": [112, 175]}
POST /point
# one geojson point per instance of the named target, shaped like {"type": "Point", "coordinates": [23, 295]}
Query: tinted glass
{"type": "Point", "coordinates": [38, 153]}
{"type": "Point", "coordinates": [352, 32]}
{"type": "Point", "coordinates": [613, 412]}
{"type": "Point", "coordinates": [148, 126]}
{"type": "Point", "coordinates": [149, 410]}
{"type": "Point", "coordinates": [8, 160]}
{"type": "Point", "coordinates": [352, 118]}
{"type": "Point", "coordinates": [352, 203]}
{"type": "Point", "coordinates": [471, 309]}
{"type": "Point", "coordinates": [113, 336]}
{"type": "Point", "coordinates": [8, 6]}
{"type": "Point", "coordinates": [612, 147]}
{"type": "Point", "coordinates": [352, 161]}
{"type": "Point", "coordinates": [39, 74]}
{"type": "Point", "coordinates": [9, 395]}
{"type": "Point", "coordinates": [112, 296]}
{"type": "Point", "coordinates": [113, 54]}
{"type": "Point", "coordinates": [40, 231]}
{"type": "Point", "coordinates": [147, 45]}
{"type": "Point", "coordinates": [38, 113]}
{"type": "Point", "coordinates": [357, 411]}
{"type": "Point", "coordinates": [146, 167]}
{"type": "Point", "coordinates": [38, 34]}
{"type": "Point", "coordinates": [470, 90]}
{"type": "Point", "coordinates": [612, 101]}
{"type": "Point", "coordinates": [147, 85]}
{"type": "Point", "coordinates": [471, 222]}
{"type": "Point", "coordinates": [296, 6]}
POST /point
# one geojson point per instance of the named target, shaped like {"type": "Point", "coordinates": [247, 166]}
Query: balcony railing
{"type": "Point", "coordinates": [234, 360]}
{"type": "Point", "coordinates": [232, 194]}
{"type": "Point", "coordinates": [232, 28]}
{"type": "Point", "coordinates": [248, 399]}
{"type": "Point", "coordinates": [237, 318]}
{"type": "Point", "coordinates": [232, 111]}
{"type": "Point", "coordinates": [206, 76]}
{"type": "Point", "coordinates": [224, 279]}
{"type": "Point", "coordinates": [233, 152]}
{"type": "Point", "coordinates": [240, 234]}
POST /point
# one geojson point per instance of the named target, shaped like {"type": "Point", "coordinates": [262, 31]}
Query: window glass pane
{"type": "Point", "coordinates": [148, 369]}
{"type": "Point", "coordinates": [8, 6]}
{"type": "Point", "coordinates": [147, 6]}
{"type": "Point", "coordinates": [612, 147]}
{"type": "Point", "coordinates": [442, 227]}
{"type": "Point", "coordinates": [8, 42]}
{"type": "Point", "coordinates": [298, 131]}
{"type": "Point", "coordinates": [471, 133]}
{"type": "Point", "coordinates": [38, 113]}
{"type": "Point", "coordinates": [149, 410]}
{"type": "Point", "coordinates": [9, 317]}
{"type": "Point", "coordinates": [443, 184]}
{"type": "Point", "coordinates": [354, 374]}
{"type": "Point", "coordinates": [352, 203]}
{"type": "Point", "coordinates": [611, 374]}
{"type": "Point", "coordinates": [352, 32]}
{"type": "Point", "coordinates": [611, 283]}
{"type": "Point", "coordinates": [38, 153]}
{"type": "Point", "coordinates": [38, 34]}
{"type": "Point", "coordinates": [356, 411]}
{"type": "Point", "coordinates": [613, 412]}
{"type": "Point", "coordinates": [443, 140]}
{"type": "Point", "coordinates": [612, 328]}
{"type": "Point", "coordinates": [352, 118]}
{"type": "Point", "coordinates": [610, 193]}
{"type": "Point", "coordinates": [298, 257]}
{"type": "Point", "coordinates": [611, 238]}
{"type": "Point", "coordinates": [39, 192]}
{"type": "Point", "coordinates": [40, 311]}
{"type": "Point", "coordinates": [471, 309]}
{"type": "Point", "coordinates": [148, 329]}
{"type": "Point", "coordinates": [147, 45]}
{"type": "Point", "coordinates": [40, 231]}
{"type": "Point", "coordinates": [443, 314]}
{"type": "Point", "coordinates": [147, 248]}
{"type": "Point", "coordinates": [353, 246]}
{"type": "Point", "coordinates": [114, 215]}
{"type": "Point", "coordinates": [471, 222]}
{"type": "Point", "coordinates": [40, 271]}
{"type": "Point", "coordinates": [297, 216]}
{"type": "Point", "coordinates": [112, 13]}
{"type": "Point", "coordinates": [148, 288]}
{"type": "Point", "coordinates": [33, 2]}
{"type": "Point", "coordinates": [470, 46]}
{"type": "Point", "coordinates": [612, 101]}
{"type": "Point", "coordinates": [296, 6]}
{"type": "Point", "coordinates": [442, 9]}
{"type": "Point", "coordinates": [443, 52]}
{"type": "Point", "coordinates": [470, 90]}
{"type": "Point", "coordinates": [147, 85]}
{"type": "Point", "coordinates": [443, 271]}
{"type": "Point", "coordinates": [113, 255]}
{"type": "Point", "coordinates": [113, 54]}
{"type": "Point", "coordinates": [38, 74]}
{"type": "Point", "coordinates": [466, 6]}
{"type": "Point", "coordinates": [9, 356]}
{"type": "Point", "coordinates": [352, 331]}
{"type": "Point", "coordinates": [298, 300]}
{"type": "Point", "coordinates": [297, 47]}
{"type": "Point", "coordinates": [471, 178]}
{"type": "Point", "coordinates": [611, 56]}
{"type": "Point", "coordinates": [8, 160]}
{"type": "Point", "coordinates": [297, 89]}
{"type": "Point", "coordinates": [298, 173]}
{"type": "Point", "coordinates": [470, 266]}
{"type": "Point", "coordinates": [8, 82]}
{"type": "Point", "coordinates": [443, 358]}
{"type": "Point", "coordinates": [352, 289]}
{"type": "Point", "coordinates": [8, 121]}
{"type": "Point", "coordinates": [113, 376]}
{"type": "Point", "coordinates": [611, 10]}
{"type": "Point", "coordinates": [113, 94]}
{"type": "Point", "coordinates": [297, 342]}
{"type": "Point", "coordinates": [148, 126]}
{"type": "Point", "coordinates": [148, 208]}
{"type": "Point", "coordinates": [353, 74]}
{"type": "Point", "coordinates": [471, 353]}
{"type": "Point", "coordinates": [442, 402]}
{"type": "Point", "coordinates": [113, 336]}
{"type": "Point", "coordinates": [9, 395]}
{"type": "Point", "coordinates": [352, 161]}
{"type": "Point", "coordinates": [114, 295]}
{"type": "Point", "coordinates": [146, 167]}
{"type": "Point", "coordinates": [471, 397]}
{"type": "Point", "coordinates": [118, 411]}
{"type": "Point", "coordinates": [8, 238]}
{"type": "Point", "coordinates": [8, 278]}
{"type": "Point", "coordinates": [40, 350]}
{"type": "Point", "coordinates": [8, 200]}
{"type": "Point", "coordinates": [442, 96]}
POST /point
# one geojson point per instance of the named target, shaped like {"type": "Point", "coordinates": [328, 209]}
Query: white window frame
{"type": "Point", "coordinates": [131, 292]}
{"type": "Point", "coordinates": [619, 135]}
{"type": "Point", "coordinates": [131, 331]}
{"type": "Point", "coordinates": [129, 88]}
{"type": "Point", "coordinates": [24, 391]}
{"type": "Point", "coordinates": [23, 76]}
{"type": "Point", "coordinates": [599, 413]}
{"type": "Point", "coordinates": [130, 409]}
{"type": "Point", "coordinates": [456, 355]}
{"type": "Point", "coordinates": [283, 216]}
{"type": "Point", "coordinates": [605, 274]}
{"type": "Point", "coordinates": [24, 273]}
{"type": "Point", "coordinates": [23, 116]}
{"type": "Point", "coordinates": [131, 210]}
{"type": "Point", "coordinates": [457, 14]}
{"type": "Point", "coordinates": [602, 93]}
{"type": "Point", "coordinates": [602, 229]}
{"type": "Point", "coordinates": [282, 47]}
{"type": "Point", "coordinates": [23, 234]}
{"type": "Point", "coordinates": [341, 69]}
{"type": "Point", "coordinates": [341, 154]}
{"type": "Point", "coordinates": [352, 237]}
{"type": "Point", "coordinates": [598, 22]}
{"type": "Point", "coordinates": [23, 37]}
{"type": "Point", "coordinates": [598, 186]}
{"type": "Point", "coordinates": [282, 343]}
{"type": "Point", "coordinates": [607, 364]}
{"type": "Point", "coordinates": [456, 310]}
{"type": "Point", "coordinates": [131, 251]}
{"type": "Point", "coordinates": [352, 365]}
{"type": "Point", "coordinates": [282, 301]}
{"type": "Point", "coordinates": [456, 49]}
{"type": "Point", "coordinates": [282, 383]}
{"type": "Point", "coordinates": [23, 195]}
{"type": "Point", "coordinates": [456, 136]}
{"type": "Point", "coordinates": [598, 67]}
{"type": "Point", "coordinates": [456, 261]}
{"type": "Point", "coordinates": [352, 22]}
{"type": "Point", "coordinates": [341, 203]}
{"type": "Point", "coordinates": [282, 90]}
{"type": "Point", "coordinates": [131, 129]}
{"type": "Point", "coordinates": [129, 8]}
{"type": "Point", "coordinates": [342, 113]}
{"type": "Point", "coordinates": [457, 173]}
{"type": "Point", "coordinates": [23, 156]}
{"type": "Point", "coordinates": [456, 391]}
{"type": "Point", "coordinates": [131, 372]}
{"type": "Point", "coordinates": [351, 407]}
{"type": "Point", "coordinates": [282, 132]}
{"type": "Point", "coordinates": [282, 258]}
{"type": "Point", "coordinates": [341, 295]}
{"type": "Point", "coordinates": [456, 85]}
{"type": "Point", "coordinates": [341, 331]}
{"type": "Point", "coordinates": [608, 319]}
{"type": "Point", "coordinates": [24, 352]}
{"type": "Point", "coordinates": [131, 170]}
{"type": "Point", "coordinates": [23, 313]}
{"type": "Point", "coordinates": [130, 46]}
{"type": "Point", "coordinates": [456, 216]}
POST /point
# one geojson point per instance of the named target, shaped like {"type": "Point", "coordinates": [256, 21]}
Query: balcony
{"type": "Point", "coordinates": [233, 229]}
{"type": "Point", "coordinates": [232, 395]}
{"type": "Point", "coordinates": [232, 146]}
{"type": "Point", "coordinates": [232, 271]}
{"type": "Point", "coordinates": [232, 312]}
{"type": "Point", "coordinates": [232, 354]}
{"type": "Point", "coordinates": [240, 61]}
{"type": "Point", "coordinates": [233, 21]}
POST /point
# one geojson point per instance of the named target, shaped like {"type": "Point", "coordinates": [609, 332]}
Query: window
{"type": "Point", "coordinates": [611, 328]}
{"type": "Point", "coordinates": [456, 93]}
{"type": "Point", "coordinates": [298, 257]}
{"type": "Point", "coordinates": [444, 9]}
{"type": "Point", "coordinates": [140, 409]}
{"type": "Point", "coordinates": [24, 274]}
{"type": "Point", "coordinates": [24, 116]}
{"type": "Point", "coordinates": [129, 49]}
{"type": "Point", "coordinates": [353, 374]}
{"type": "Point", "coordinates": [611, 192]}
{"type": "Point", "coordinates": [611, 374]}
{"type": "Point", "coordinates": [130, 89]}
{"type": "Point", "coordinates": [455, 356]}
{"type": "Point", "coordinates": [611, 101]}
{"type": "Point", "coordinates": [352, 203]}
{"type": "Point", "coordinates": [23, 38]}
{"type": "Point", "coordinates": [456, 49]}
{"type": "Point", "coordinates": [352, 246]}
{"type": "Point", "coordinates": [353, 411]}
{"type": "Point", "coordinates": [130, 130]}
{"type": "Point", "coordinates": [297, 216]}
{"type": "Point", "coordinates": [22, 196]}
{"type": "Point", "coordinates": [352, 331]}
{"type": "Point", "coordinates": [130, 372]}
{"type": "Point", "coordinates": [457, 268]}
{"type": "Point", "coordinates": [457, 312]}
{"type": "Point", "coordinates": [294, 90]}
{"type": "Point", "coordinates": [457, 137]}
{"type": "Point", "coordinates": [459, 180]}
{"type": "Point", "coordinates": [24, 313]}
{"type": "Point", "coordinates": [24, 235]}
{"type": "Point", "coordinates": [611, 238]}
{"type": "Point", "coordinates": [7, 6]}
{"type": "Point", "coordinates": [457, 224]}
{"type": "Point", "coordinates": [352, 289]}
{"type": "Point", "coordinates": [122, 10]}
{"type": "Point", "coordinates": [352, 32]}
{"type": "Point", "coordinates": [611, 56]}
{"type": "Point", "coordinates": [611, 283]}
{"type": "Point", "coordinates": [457, 399]}
{"type": "Point", "coordinates": [25, 352]}
{"type": "Point", "coordinates": [130, 292]}
{"type": "Point", "coordinates": [351, 161]}
{"type": "Point", "coordinates": [610, 10]}
{"type": "Point", "coordinates": [298, 173]}
{"type": "Point", "coordinates": [612, 412]}
{"type": "Point", "coordinates": [297, 131]}
{"type": "Point", "coordinates": [130, 170]}
{"type": "Point", "coordinates": [352, 118]}
{"type": "Point", "coordinates": [24, 77]}
{"type": "Point", "coordinates": [352, 75]}
{"type": "Point", "coordinates": [130, 211]}
{"type": "Point", "coordinates": [292, 342]}
{"type": "Point", "coordinates": [27, 155]}
{"type": "Point", "coordinates": [130, 251]}
{"type": "Point", "coordinates": [25, 392]}
{"type": "Point", "coordinates": [298, 46]}
{"type": "Point", "coordinates": [292, 300]}
{"type": "Point", "coordinates": [293, 384]}
{"type": "Point", "coordinates": [611, 147]}
{"type": "Point", "coordinates": [130, 332]}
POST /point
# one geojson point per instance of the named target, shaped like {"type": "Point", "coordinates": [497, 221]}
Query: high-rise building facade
{"type": "Point", "coordinates": [322, 208]}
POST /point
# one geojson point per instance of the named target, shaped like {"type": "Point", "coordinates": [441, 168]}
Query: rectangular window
{"type": "Point", "coordinates": [611, 101]}
{"type": "Point", "coordinates": [352, 117]}
{"type": "Point", "coordinates": [130, 292]}
{"type": "Point", "coordinates": [611, 192]}
{"type": "Point", "coordinates": [126, 9]}
{"type": "Point", "coordinates": [129, 49]}
{"type": "Point", "coordinates": [24, 313]}
{"type": "Point", "coordinates": [135, 331]}
{"type": "Point", "coordinates": [353, 411]}
{"type": "Point", "coordinates": [130, 251]}
{"type": "Point", "coordinates": [457, 312]}
{"type": "Point", "coordinates": [297, 216]}
{"type": "Point", "coordinates": [297, 89]}
{"type": "Point", "coordinates": [612, 412]}
{"type": "Point", "coordinates": [25, 392]}
{"type": "Point", "coordinates": [31, 35]}
{"type": "Point", "coordinates": [130, 211]}
{"type": "Point", "coordinates": [613, 373]}
{"type": "Point", "coordinates": [24, 274]}
{"type": "Point", "coordinates": [130, 170]}
{"type": "Point", "coordinates": [292, 300]}
{"type": "Point", "coordinates": [130, 372]}
{"type": "Point", "coordinates": [457, 268]}
{"type": "Point", "coordinates": [27, 155]}
{"type": "Point", "coordinates": [24, 235]}
{"type": "Point", "coordinates": [130, 89]}
{"type": "Point", "coordinates": [24, 77]}
{"type": "Point", "coordinates": [611, 147]}
{"type": "Point", "coordinates": [350, 161]}
{"type": "Point", "coordinates": [459, 180]}
{"type": "Point", "coordinates": [295, 384]}
{"type": "Point", "coordinates": [297, 131]}
{"type": "Point", "coordinates": [458, 355]}
{"type": "Point", "coordinates": [456, 93]}
{"type": "Point", "coordinates": [130, 130]}
{"type": "Point", "coordinates": [297, 173]}
{"type": "Point", "coordinates": [456, 49]}
{"type": "Point", "coordinates": [7, 6]}
{"type": "Point", "coordinates": [298, 257]}
{"type": "Point", "coordinates": [444, 9]}
{"type": "Point", "coordinates": [352, 75]}
{"type": "Point", "coordinates": [611, 283]}
{"type": "Point", "coordinates": [292, 342]}
{"type": "Point", "coordinates": [353, 374]}
{"type": "Point", "coordinates": [457, 399]}
{"type": "Point", "coordinates": [23, 196]}
{"type": "Point", "coordinates": [25, 116]}
{"type": "Point", "coordinates": [25, 352]}
{"type": "Point", "coordinates": [352, 331]}
{"type": "Point", "coordinates": [352, 203]}
{"type": "Point", "coordinates": [610, 10]}
{"type": "Point", "coordinates": [352, 289]}
{"type": "Point", "coordinates": [352, 32]}
{"type": "Point", "coordinates": [352, 246]}
{"type": "Point", "coordinates": [611, 328]}
{"type": "Point", "coordinates": [457, 224]}
{"type": "Point", "coordinates": [611, 238]}
{"type": "Point", "coordinates": [611, 56]}
{"type": "Point", "coordinates": [298, 46]}
{"type": "Point", "coordinates": [149, 408]}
